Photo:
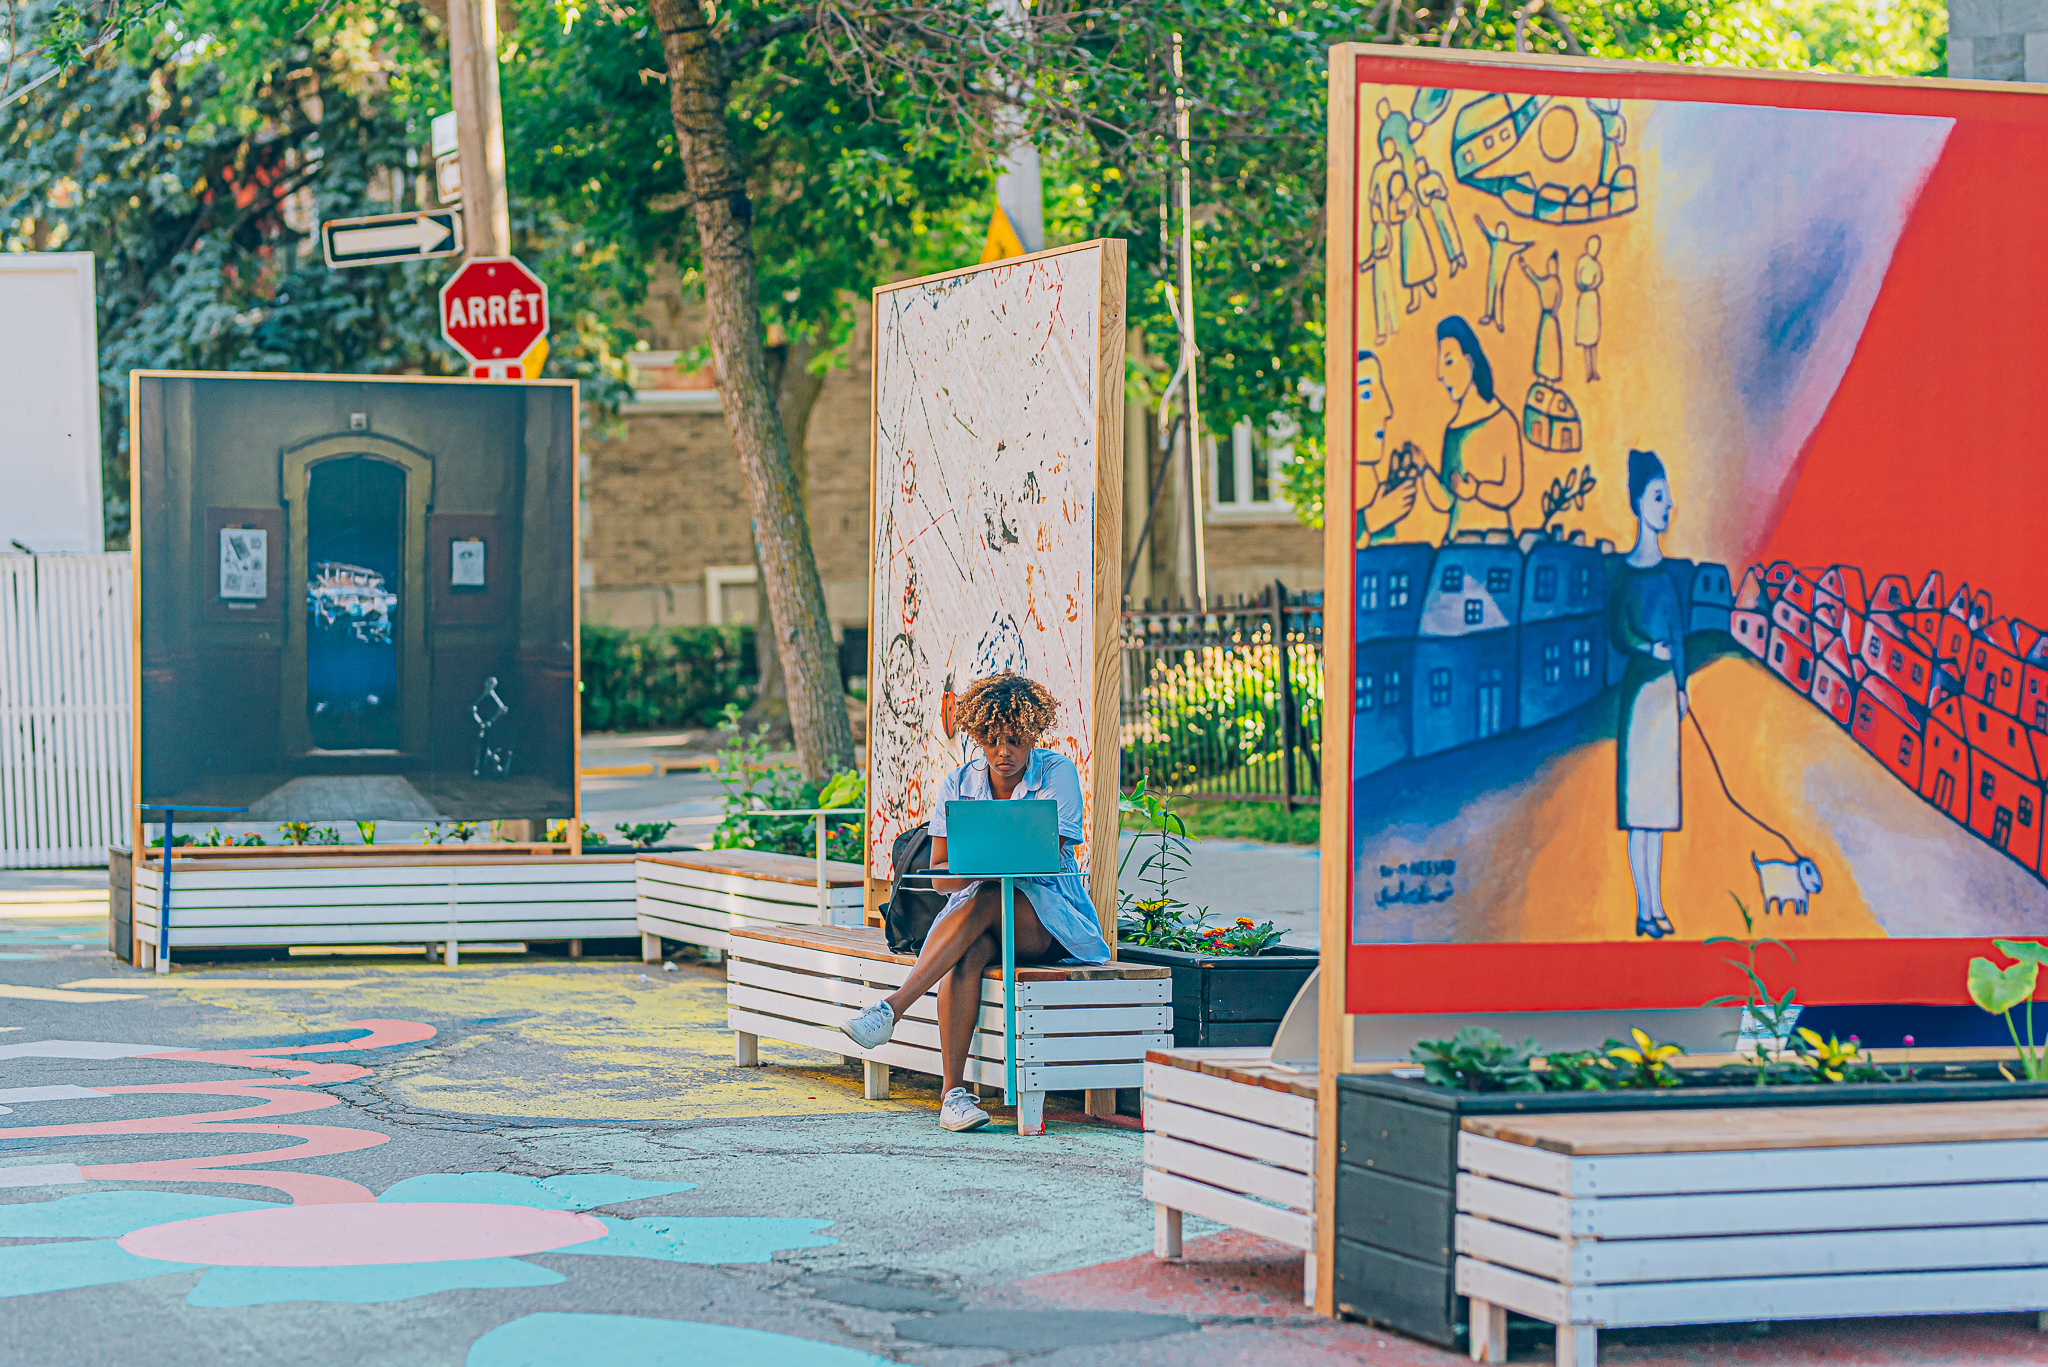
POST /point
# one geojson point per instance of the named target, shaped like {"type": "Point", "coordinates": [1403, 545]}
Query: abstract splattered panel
{"type": "Point", "coordinates": [1694, 581]}
{"type": "Point", "coordinates": [985, 514]}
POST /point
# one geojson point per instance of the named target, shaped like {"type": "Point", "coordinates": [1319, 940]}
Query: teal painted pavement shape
{"type": "Point", "coordinates": [553, 1338]}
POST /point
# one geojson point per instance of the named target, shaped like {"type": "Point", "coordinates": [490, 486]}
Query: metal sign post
{"type": "Point", "coordinates": [163, 895]}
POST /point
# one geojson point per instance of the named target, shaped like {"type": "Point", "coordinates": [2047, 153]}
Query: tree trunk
{"type": "Point", "coordinates": [790, 375]}
{"type": "Point", "coordinates": [698, 87]}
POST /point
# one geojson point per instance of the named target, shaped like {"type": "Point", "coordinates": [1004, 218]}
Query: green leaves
{"type": "Point", "coordinates": [2025, 950]}
{"type": "Point", "coordinates": [1477, 1059]}
{"type": "Point", "coordinates": [1999, 990]}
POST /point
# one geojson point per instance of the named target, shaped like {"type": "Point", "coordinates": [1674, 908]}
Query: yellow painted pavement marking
{"type": "Point", "coordinates": [53, 911]}
{"type": "Point", "coordinates": [52, 994]}
{"type": "Point", "coordinates": [576, 1042]}
{"type": "Point", "coordinates": [313, 984]}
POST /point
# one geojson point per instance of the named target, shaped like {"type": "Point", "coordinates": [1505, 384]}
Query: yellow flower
{"type": "Point", "coordinates": [1245, 921]}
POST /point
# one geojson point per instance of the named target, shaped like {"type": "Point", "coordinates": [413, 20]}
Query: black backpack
{"type": "Point", "coordinates": [913, 905]}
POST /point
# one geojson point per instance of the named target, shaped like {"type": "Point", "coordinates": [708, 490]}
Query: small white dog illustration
{"type": "Point", "coordinates": [1786, 883]}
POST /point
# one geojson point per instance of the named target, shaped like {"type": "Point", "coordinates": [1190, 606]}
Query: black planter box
{"type": "Point", "coordinates": [1397, 1170]}
{"type": "Point", "coordinates": [1228, 1000]}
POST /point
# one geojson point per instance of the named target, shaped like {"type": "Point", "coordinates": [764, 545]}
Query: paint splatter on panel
{"type": "Point", "coordinates": [985, 464]}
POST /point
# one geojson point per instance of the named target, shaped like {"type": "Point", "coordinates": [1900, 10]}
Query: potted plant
{"type": "Point", "coordinates": [1232, 983]}
{"type": "Point", "coordinates": [1398, 1134]}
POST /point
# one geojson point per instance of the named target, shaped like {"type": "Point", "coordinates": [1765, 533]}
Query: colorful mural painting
{"type": "Point", "coordinates": [987, 512]}
{"type": "Point", "coordinates": [1680, 507]}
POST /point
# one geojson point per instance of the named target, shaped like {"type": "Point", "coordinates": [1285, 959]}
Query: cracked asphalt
{"type": "Point", "coordinates": [762, 1215]}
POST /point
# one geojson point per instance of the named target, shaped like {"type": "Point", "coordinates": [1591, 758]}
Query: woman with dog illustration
{"type": "Point", "coordinates": [1645, 623]}
{"type": "Point", "coordinates": [1006, 714]}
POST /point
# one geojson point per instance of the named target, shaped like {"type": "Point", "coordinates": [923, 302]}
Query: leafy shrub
{"type": "Point", "coordinates": [755, 783]}
{"type": "Point", "coordinates": [637, 679]}
{"type": "Point", "coordinates": [1215, 709]}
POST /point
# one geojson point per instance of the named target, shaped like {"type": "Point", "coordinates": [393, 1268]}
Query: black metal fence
{"type": "Point", "coordinates": [1225, 702]}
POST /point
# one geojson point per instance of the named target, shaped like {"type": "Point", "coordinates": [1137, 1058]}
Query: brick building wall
{"type": "Point", "coordinates": [667, 533]}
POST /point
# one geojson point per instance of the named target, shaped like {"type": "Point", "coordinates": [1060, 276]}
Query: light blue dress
{"type": "Point", "coordinates": [1061, 903]}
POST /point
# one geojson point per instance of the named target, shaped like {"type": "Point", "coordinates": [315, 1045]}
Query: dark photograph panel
{"type": "Point", "coordinates": [357, 597]}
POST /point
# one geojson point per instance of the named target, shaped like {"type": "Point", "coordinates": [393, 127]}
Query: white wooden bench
{"type": "Point", "coordinates": [439, 900]}
{"type": "Point", "coordinates": [1231, 1138]}
{"type": "Point", "coordinates": [1083, 1029]}
{"type": "Point", "coordinates": [1596, 1221]}
{"type": "Point", "coordinates": [698, 898]}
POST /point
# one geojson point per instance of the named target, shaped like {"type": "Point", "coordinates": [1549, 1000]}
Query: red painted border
{"type": "Point", "coordinates": [1613, 975]}
{"type": "Point", "coordinates": [1635, 975]}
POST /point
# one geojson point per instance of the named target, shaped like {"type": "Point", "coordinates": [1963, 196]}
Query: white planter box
{"type": "Point", "coordinates": [1703, 1217]}
{"type": "Point", "coordinates": [372, 899]}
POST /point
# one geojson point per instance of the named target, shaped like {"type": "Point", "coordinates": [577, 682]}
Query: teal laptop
{"type": "Point", "coordinates": [988, 839]}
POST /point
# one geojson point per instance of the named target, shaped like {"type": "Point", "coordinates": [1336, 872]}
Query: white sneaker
{"type": "Point", "coordinates": [871, 1028]}
{"type": "Point", "coordinates": [958, 1111]}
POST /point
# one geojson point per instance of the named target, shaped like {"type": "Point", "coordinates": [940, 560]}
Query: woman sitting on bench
{"type": "Point", "coordinates": [1006, 714]}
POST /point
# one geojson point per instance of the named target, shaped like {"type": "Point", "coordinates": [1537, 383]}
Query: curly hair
{"type": "Point", "coordinates": [1006, 706]}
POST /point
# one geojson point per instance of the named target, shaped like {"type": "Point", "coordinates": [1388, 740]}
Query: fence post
{"type": "Point", "coordinates": [1278, 593]}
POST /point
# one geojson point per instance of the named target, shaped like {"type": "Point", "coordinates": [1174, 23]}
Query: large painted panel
{"type": "Point", "coordinates": [1694, 496]}
{"type": "Point", "coordinates": [987, 510]}
{"type": "Point", "coordinates": [356, 596]}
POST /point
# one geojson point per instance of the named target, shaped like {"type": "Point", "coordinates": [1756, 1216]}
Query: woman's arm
{"type": "Point", "coordinates": [939, 862]}
{"type": "Point", "coordinates": [1501, 484]}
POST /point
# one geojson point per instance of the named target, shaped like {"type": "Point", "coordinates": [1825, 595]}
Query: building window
{"type": "Point", "coordinates": [1917, 675]}
{"type": "Point", "coordinates": [1546, 583]}
{"type": "Point", "coordinates": [2026, 810]}
{"type": "Point", "coordinates": [2005, 677]}
{"type": "Point", "coordinates": [1980, 659]}
{"type": "Point", "coordinates": [1499, 580]}
{"type": "Point", "coordinates": [1582, 658]}
{"type": "Point", "coordinates": [1390, 688]}
{"type": "Point", "coordinates": [1247, 468]}
{"type": "Point", "coordinates": [1983, 722]}
{"type": "Point", "coordinates": [1582, 582]}
{"type": "Point", "coordinates": [2041, 714]}
{"type": "Point", "coordinates": [1805, 668]}
{"type": "Point", "coordinates": [1475, 611]}
{"type": "Point", "coordinates": [1397, 590]}
{"type": "Point", "coordinates": [1439, 688]}
{"type": "Point", "coordinates": [1365, 692]}
{"type": "Point", "coordinates": [1862, 715]}
{"type": "Point", "coordinates": [1453, 580]}
{"type": "Point", "coordinates": [1989, 785]}
{"type": "Point", "coordinates": [1905, 747]}
{"type": "Point", "coordinates": [1368, 593]}
{"type": "Point", "coordinates": [1553, 663]}
{"type": "Point", "coordinates": [1778, 653]}
{"type": "Point", "coordinates": [1898, 660]}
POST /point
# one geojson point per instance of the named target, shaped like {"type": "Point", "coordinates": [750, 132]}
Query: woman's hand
{"type": "Point", "coordinates": [1684, 704]}
{"type": "Point", "coordinates": [1660, 650]}
{"type": "Point", "coordinates": [939, 861]}
{"type": "Point", "coordinates": [1464, 485]}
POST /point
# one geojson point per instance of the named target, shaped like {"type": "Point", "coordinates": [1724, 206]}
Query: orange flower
{"type": "Point", "coordinates": [1245, 921]}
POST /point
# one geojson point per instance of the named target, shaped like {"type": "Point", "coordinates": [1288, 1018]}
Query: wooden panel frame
{"type": "Point", "coordinates": [1107, 577]}
{"type": "Point", "coordinates": [136, 438]}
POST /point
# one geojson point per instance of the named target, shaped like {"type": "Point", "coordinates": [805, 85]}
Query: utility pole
{"type": "Point", "coordinates": [479, 131]}
{"type": "Point", "coordinates": [1188, 350]}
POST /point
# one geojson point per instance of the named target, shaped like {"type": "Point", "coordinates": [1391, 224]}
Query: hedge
{"type": "Point", "coordinates": [635, 680]}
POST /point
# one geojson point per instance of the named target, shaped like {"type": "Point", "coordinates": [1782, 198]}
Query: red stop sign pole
{"type": "Point", "coordinates": [495, 312]}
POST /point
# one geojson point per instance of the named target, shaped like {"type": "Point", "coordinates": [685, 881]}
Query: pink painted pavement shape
{"type": "Point", "coordinates": [363, 1234]}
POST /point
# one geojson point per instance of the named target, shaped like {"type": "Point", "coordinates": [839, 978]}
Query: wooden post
{"type": "Point", "coordinates": [1334, 1043]}
{"type": "Point", "coordinates": [479, 132]}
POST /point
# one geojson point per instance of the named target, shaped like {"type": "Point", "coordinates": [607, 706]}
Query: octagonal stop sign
{"type": "Point", "coordinates": [495, 312]}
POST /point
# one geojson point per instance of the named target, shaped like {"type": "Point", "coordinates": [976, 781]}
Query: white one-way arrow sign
{"type": "Point", "coordinates": [389, 238]}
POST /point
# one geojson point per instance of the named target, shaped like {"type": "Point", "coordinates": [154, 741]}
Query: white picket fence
{"type": "Point", "coordinates": [64, 670]}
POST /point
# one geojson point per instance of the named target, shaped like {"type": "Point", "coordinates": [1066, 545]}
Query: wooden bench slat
{"type": "Point", "coordinates": [1789, 1127]}
{"type": "Point", "coordinates": [766, 865]}
{"type": "Point", "coordinates": [1256, 1105]}
{"type": "Point", "coordinates": [1290, 1227]}
{"type": "Point", "coordinates": [1231, 1171]}
{"type": "Point", "coordinates": [869, 943]}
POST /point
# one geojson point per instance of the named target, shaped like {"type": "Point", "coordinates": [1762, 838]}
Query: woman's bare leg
{"type": "Point", "coordinates": [950, 936]}
{"type": "Point", "coordinates": [959, 1004]}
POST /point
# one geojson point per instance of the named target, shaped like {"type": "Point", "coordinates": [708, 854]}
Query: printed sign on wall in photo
{"type": "Point", "coordinates": [997, 485]}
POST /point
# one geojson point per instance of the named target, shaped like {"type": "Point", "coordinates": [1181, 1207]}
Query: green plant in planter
{"type": "Point", "coordinates": [1477, 1059]}
{"type": "Point", "coordinates": [644, 833]}
{"type": "Point", "coordinates": [1773, 1014]}
{"type": "Point", "coordinates": [1240, 937]}
{"type": "Point", "coordinates": [1155, 917]}
{"type": "Point", "coordinates": [1649, 1062]}
{"type": "Point", "coordinates": [1999, 990]}
{"type": "Point", "coordinates": [1584, 1070]}
{"type": "Point", "coordinates": [1833, 1060]}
